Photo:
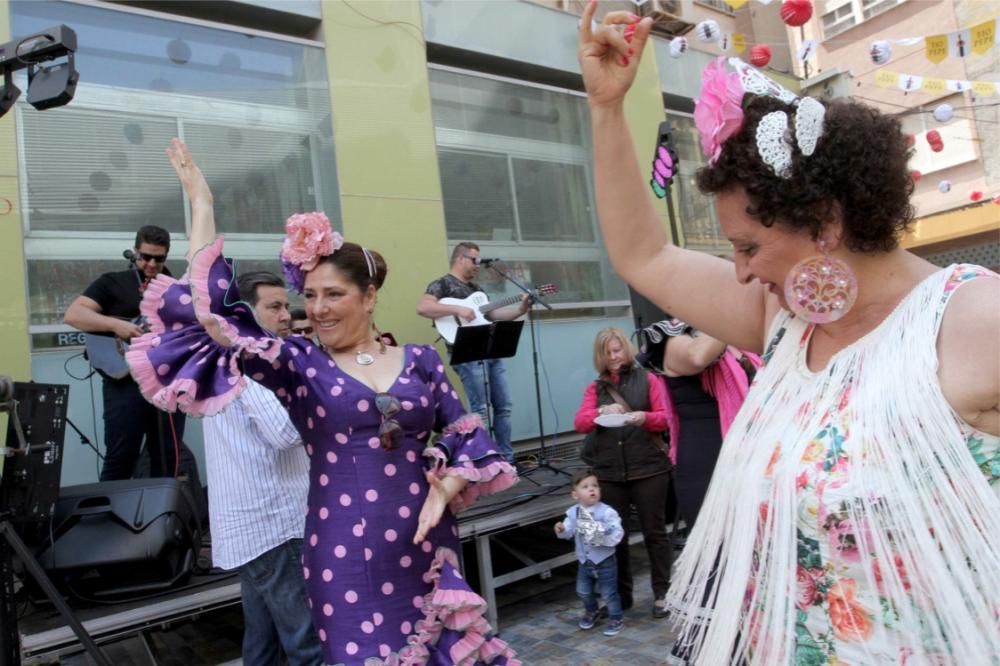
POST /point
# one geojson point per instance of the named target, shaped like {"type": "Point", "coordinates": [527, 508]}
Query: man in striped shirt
{"type": "Point", "coordinates": [258, 480]}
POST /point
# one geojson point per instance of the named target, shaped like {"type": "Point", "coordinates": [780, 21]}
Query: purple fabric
{"type": "Point", "coordinates": [364, 576]}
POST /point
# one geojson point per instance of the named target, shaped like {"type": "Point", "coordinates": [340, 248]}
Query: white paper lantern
{"type": "Point", "coordinates": [880, 52]}
{"type": "Point", "coordinates": [943, 113]}
{"type": "Point", "coordinates": [678, 47]}
{"type": "Point", "coordinates": [708, 31]}
{"type": "Point", "coordinates": [944, 186]}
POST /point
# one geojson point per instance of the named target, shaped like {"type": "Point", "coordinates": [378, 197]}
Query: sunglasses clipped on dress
{"type": "Point", "coordinates": [390, 433]}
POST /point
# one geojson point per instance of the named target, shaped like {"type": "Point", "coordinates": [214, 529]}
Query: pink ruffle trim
{"type": "Point", "coordinates": [482, 481]}
{"type": "Point", "coordinates": [179, 394]}
{"type": "Point", "coordinates": [149, 308]}
{"type": "Point", "coordinates": [458, 610]}
{"type": "Point", "coordinates": [266, 348]}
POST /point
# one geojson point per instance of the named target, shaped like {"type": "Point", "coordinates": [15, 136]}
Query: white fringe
{"type": "Point", "coordinates": [913, 485]}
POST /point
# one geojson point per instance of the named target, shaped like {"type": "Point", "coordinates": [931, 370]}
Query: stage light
{"type": "Point", "coordinates": [52, 85]}
{"type": "Point", "coordinates": [10, 93]}
{"type": "Point", "coordinates": [49, 85]}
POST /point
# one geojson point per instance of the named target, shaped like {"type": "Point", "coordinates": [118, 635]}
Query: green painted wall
{"type": "Point", "coordinates": [386, 152]}
{"type": "Point", "coordinates": [15, 348]}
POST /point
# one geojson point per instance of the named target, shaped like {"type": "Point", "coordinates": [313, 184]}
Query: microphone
{"type": "Point", "coordinates": [483, 261]}
{"type": "Point", "coordinates": [129, 256]}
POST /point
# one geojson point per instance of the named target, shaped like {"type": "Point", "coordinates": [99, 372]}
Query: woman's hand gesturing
{"type": "Point", "coordinates": [609, 54]}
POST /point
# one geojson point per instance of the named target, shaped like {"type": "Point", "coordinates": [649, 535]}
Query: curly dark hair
{"type": "Point", "coordinates": [859, 168]}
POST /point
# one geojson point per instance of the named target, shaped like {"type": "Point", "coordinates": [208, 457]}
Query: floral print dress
{"type": "Point", "coordinates": [858, 536]}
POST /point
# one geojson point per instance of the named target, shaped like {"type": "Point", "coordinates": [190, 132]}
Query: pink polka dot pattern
{"type": "Point", "coordinates": [327, 575]}
{"type": "Point", "coordinates": [351, 597]}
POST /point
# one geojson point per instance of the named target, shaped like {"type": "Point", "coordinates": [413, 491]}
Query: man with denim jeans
{"type": "Point", "coordinates": [258, 482]}
{"type": "Point", "coordinates": [485, 382]}
{"type": "Point", "coordinates": [597, 529]}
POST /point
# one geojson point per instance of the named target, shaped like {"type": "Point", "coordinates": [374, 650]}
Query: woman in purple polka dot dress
{"type": "Point", "coordinates": [381, 537]}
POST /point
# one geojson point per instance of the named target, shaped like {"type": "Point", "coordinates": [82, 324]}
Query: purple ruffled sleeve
{"type": "Point", "coordinates": [177, 364]}
{"type": "Point", "coordinates": [464, 449]}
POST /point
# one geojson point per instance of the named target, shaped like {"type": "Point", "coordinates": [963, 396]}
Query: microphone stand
{"type": "Point", "coordinates": [543, 458]}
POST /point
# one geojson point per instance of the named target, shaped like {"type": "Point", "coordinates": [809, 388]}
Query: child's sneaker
{"type": "Point", "coordinates": [589, 619]}
{"type": "Point", "coordinates": [614, 627]}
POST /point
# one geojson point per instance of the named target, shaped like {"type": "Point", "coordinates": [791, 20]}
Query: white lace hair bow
{"type": "Point", "coordinates": [773, 144]}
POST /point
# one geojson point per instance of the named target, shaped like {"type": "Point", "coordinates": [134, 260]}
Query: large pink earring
{"type": "Point", "coordinates": [821, 289]}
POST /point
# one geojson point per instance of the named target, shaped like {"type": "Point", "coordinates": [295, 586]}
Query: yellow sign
{"type": "Point", "coordinates": [739, 42]}
{"type": "Point", "coordinates": [736, 4]}
{"type": "Point", "coordinates": [983, 36]}
{"type": "Point", "coordinates": [984, 88]}
{"type": "Point", "coordinates": [937, 48]}
{"type": "Point", "coordinates": [885, 79]}
{"type": "Point", "coordinates": [935, 86]}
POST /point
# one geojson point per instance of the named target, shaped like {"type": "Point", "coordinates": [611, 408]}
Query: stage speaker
{"type": "Point", "coordinates": [122, 540]}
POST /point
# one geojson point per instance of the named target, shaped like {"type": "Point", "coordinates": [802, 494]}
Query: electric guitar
{"type": "Point", "coordinates": [106, 353]}
{"type": "Point", "coordinates": [448, 325]}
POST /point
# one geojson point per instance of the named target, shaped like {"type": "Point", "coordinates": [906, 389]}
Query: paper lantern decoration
{"type": "Point", "coordinates": [678, 47]}
{"type": "Point", "coordinates": [943, 113]}
{"type": "Point", "coordinates": [934, 141]}
{"type": "Point", "coordinates": [880, 52]}
{"type": "Point", "coordinates": [915, 176]}
{"type": "Point", "coordinates": [975, 195]}
{"type": "Point", "coordinates": [944, 187]}
{"type": "Point", "coordinates": [996, 199]}
{"type": "Point", "coordinates": [760, 55]}
{"type": "Point", "coordinates": [796, 12]}
{"type": "Point", "coordinates": [708, 31]}
{"type": "Point", "coordinates": [664, 162]}
{"type": "Point", "coordinates": [910, 139]}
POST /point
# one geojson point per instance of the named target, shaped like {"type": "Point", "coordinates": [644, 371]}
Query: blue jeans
{"type": "Point", "coordinates": [604, 578]}
{"type": "Point", "coordinates": [276, 610]}
{"type": "Point", "coordinates": [474, 376]}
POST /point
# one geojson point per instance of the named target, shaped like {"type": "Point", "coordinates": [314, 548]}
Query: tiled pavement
{"type": "Point", "coordinates": [541, 625]}
{"type": "Point", "coordinates": [544, 632]}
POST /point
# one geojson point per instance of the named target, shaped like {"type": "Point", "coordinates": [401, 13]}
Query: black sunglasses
{"type": "Point", "coordinates": [390, 433]}
{"type": "Point", "coordinates": [158, 258]}
{"type": "Point", "coordinates": [302, 330]}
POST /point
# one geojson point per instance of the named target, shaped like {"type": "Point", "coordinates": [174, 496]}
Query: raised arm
{"type": "Point", "coordinates": [196, 187]}
{"type": "Point", "coordinates": [698, 288]}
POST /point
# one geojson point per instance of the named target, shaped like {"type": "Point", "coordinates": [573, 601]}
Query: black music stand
{"type": "Point", "coordinates": [497, 339]}
{"type": "Point", "coordinates": [29, 488]}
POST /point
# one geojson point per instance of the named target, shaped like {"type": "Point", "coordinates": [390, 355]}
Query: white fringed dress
{"type": "Point", "coordinates": [854, 517]}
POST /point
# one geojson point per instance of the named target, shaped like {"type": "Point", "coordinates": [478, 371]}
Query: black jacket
{"type": "Point", "coordinates": [630, 452]}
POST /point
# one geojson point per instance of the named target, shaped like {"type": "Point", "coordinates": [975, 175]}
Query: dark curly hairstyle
{"type": "Point", "coordinates": [859, 167]}
{"type": "Point", "coordinates": [350, 260]}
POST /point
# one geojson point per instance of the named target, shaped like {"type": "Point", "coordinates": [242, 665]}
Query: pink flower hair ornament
{"type": "Point", "coordinates": [308, 238]}
{"type": "Point", "coordinates": [718, 111]}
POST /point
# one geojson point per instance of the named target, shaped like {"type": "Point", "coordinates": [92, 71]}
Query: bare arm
{"type": "Point", "coordinates": [511, 312]}
{"type": "Point", "coordinates": [85, 314]}
{"type": "Point", "coordinates": [969, 354]}
{"type": "Point", "coordinates": [196, 187]}
{"type": "Point", "coordinates": [432, 308]}
{"type": "Point", "coordinates": [700, 289]}
{"type": "Point", "coordinates": [687, 355]}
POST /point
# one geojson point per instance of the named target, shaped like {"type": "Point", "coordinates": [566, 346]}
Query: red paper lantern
{"type": "Point", "coordinates": [975, 195]}
{"type": "Point", "coordinates": [916, 176]}
{"type": "Point", "coordinates": [996, 199]}
{"type": "Point", "coordinates": [760, 55]}
{"type": "Point", "coordinates": [910, 139]}
{"type": "Point", "coordinates": [796, 12]}
{"type": "Point", "coordinates": [934, 141]}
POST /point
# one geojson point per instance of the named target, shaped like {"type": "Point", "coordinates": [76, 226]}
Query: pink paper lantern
{"type": "Point", "coordinates": [760, 55]}
{"type": "Point", "coordinates": [975, 195]}
{"type": "Point", "coordinates": [916, 176]}
{"type": "Point", "coordinates": [796, 12]}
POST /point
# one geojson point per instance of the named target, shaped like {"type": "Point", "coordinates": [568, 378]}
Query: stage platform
{"type": "Point", "coordinates": [537, 500]}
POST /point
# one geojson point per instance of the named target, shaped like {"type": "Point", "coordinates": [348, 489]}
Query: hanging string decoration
{"type": "Point", "coordinates": [796, 12]}
{"type": "Point", "coordinates": [943, 113]}
{"type": "Point", "coordinates": [880, 52]}
{"type": "Point", "coordinates": [944, 187]}
{"type": "Point", "coordinates": [678, 47]}
{"type": "Point", "coordinates": [708, 31]}
{"type": "Point", "coordinates": [664, 162]}
{"type": "Point", "coordinates": [760, 55]}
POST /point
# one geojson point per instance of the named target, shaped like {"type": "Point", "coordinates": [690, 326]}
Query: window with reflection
{"type": "Point", "coordinates": [515, 165]}
{"type": "Point", "coordinates": [698, 219]}
{"type": "Point", "coordinates": [255, 110]}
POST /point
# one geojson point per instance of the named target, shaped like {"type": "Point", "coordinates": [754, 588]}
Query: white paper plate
{"type": "Point", "coordinates": [612, 420]}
